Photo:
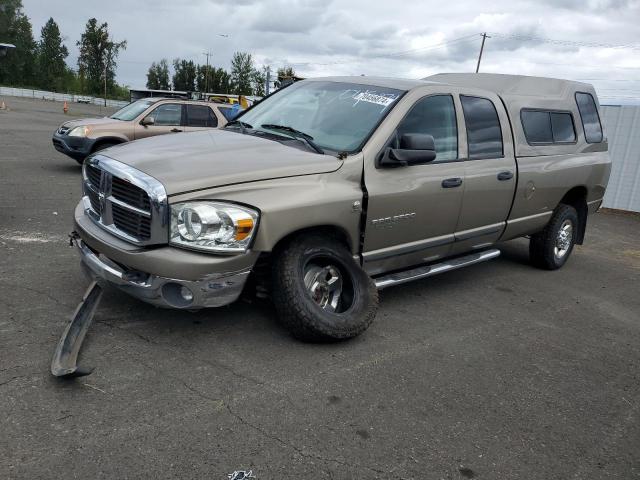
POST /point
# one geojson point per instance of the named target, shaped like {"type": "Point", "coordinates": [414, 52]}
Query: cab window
{"type": "Point", "coordinates": [167, 115]}
{"type": "Point", "coordinates": [484, 134]}
{"type": "Point", "coordinates": [435, 116]}
{"type": "Point", "coordinates": [201, 116]}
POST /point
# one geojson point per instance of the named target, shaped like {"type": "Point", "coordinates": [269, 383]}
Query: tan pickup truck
{"type": "Point", "coordinates": [333, 188]}
{"type": "Point", "coordinates": [144, 118]}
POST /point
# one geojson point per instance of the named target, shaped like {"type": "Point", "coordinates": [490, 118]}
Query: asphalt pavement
{"type": "Point", "coordinates": [496, 371]}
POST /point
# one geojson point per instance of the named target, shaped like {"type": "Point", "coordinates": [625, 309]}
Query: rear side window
{"type": "Point", "coordinates": [542, 126]}
{"type": "Point", "coordinates": [201, 116]}
{"type": "Point", "coordinates": [435, 116]}
{"type": "Point", "coordinates": [484, 135]}
{"type": "Point", "coordinates": [590, 117]}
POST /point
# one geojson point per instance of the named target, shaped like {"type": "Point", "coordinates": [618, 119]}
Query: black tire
{"type": "Point", "coordinates": [547, 250]}
{"type": "Point", "coordinates": [319, 259]}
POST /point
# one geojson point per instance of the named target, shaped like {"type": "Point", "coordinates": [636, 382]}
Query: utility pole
{"type": "Point", "coordinates": [267, 88]}
{"type": "Point", "coordinates": [206, 73]}
{"type": "Point", "coordinates": [105, 83]}
{"type": "Point", "coordinates": [484, 37]}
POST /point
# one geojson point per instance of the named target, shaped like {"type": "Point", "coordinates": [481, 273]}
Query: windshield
{"type": "Point", "coordinates": [338, 116]}
{"type": "Point", "coordinates": [132, 110]}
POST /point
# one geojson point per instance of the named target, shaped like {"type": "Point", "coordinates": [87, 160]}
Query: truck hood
{"type": "Point", "coordinates": [185, 162]}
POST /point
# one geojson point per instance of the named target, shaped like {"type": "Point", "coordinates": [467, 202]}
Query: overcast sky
{"type": "Point", "coordinates": [409, 39]}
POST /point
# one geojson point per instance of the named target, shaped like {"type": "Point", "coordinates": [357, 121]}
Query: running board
{"type": "Point", "coordinates": [430, 270]}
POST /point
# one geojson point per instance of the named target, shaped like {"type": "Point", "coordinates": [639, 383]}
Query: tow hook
{"type": "Point", "coordinates": [73, 237]}
{"type": "Point", "coordinates": [65, 357]}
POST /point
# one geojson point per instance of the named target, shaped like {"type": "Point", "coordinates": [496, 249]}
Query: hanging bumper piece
{"type": "Point", "coordinates": [65, 358]}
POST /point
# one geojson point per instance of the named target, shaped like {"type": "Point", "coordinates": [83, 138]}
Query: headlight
{"type": "Point", "coordinates": [213, 226]}
{"type": "Point", "coordinates": [79, 132]}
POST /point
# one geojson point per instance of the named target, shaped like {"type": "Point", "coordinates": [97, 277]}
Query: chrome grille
{"type": "Point", "coordinates": [63, 130]}
{"type": "Point", "coordinates": [130, 194]}
{"type": "Point", "coordinates": [125, 201]}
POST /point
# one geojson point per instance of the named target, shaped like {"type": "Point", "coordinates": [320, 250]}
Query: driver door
{"type": "Point", "coordinates": [168, 118]}
{"type": "Point", "coordinates": [412, 211]}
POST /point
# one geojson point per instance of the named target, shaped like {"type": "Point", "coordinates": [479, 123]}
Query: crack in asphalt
{"type": "Point", "coordinates": [221, 403]}
{"type": "Point", "coordinates": [16, 377]}
{"type": "Point", "coordinates": [213, 364]}
{"type": "Point", "coordinates": [298, 450]}
{"type": "Point", "coordinates": [35, 290]}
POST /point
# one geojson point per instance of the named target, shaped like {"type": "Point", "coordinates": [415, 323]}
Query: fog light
{"type": "Point", "coordinates": [177, 295]}
{"type": "Point", "coordinates": [186, 294]}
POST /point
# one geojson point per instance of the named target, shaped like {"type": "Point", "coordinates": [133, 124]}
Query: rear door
{"type": "Point", "coordinates": [490, 173]}
{"type": "Point", "coordinates": [412, 211]}
{"type": "Point", "coordinates": [200, 117]}
{"type": "Point", "coordinates": [168, 118]}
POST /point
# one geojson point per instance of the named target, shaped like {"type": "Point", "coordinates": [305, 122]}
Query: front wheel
{"type": "Point", "coordinates": [551, 248]}
{"type": "Point", "coordinates": [320, 293]}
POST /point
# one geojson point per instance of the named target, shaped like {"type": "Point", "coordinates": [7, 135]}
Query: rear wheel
{"type": "Point", "coordinates": [320, 293]}
{"type": "Point", "coordinates": [550, 249]}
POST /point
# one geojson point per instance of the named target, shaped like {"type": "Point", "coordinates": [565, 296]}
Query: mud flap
{"type": "Point", "coordinates": [65, 357]}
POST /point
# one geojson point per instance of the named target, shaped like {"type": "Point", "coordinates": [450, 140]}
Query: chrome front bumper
{"type": "Point", "coordinates": [215, 290]}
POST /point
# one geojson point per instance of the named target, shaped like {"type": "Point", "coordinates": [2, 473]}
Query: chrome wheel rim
{"type": "Point", "coordinates": [563, 239]}
{"type": "Point", "coordinates": [324, 284]}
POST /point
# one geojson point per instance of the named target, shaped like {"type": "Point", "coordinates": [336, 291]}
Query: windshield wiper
{"type": "Point", "coordinates": [243, 125]}
{"type": "Point", "coordinates": [296, 134]}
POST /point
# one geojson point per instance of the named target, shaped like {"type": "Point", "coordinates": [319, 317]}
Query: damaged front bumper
{"type": "Point", "coordinates": [214, 290]}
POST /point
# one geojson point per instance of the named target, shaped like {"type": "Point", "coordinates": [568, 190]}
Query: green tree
{"type": "Point", "coordinates": [218, 81]}
{"type": "Point", "coordinates": [242, 73]}
{"type": "Point", "coordinates": [286, 73]}
{"type": "Point", "coordinates": [259, 80]}
{"type": "Point", "coordinates": [18, 67]}
{"type": "Point", "coordinates": [51, 56]}
{"type": "Point", "coordinates": [184, 77]}
{"type": "Point", "coordinates": [158, 76]}
{"type": "Point", "coordinates": [97, 60]}
{"type": "Point", "coordinates": [9, 11]}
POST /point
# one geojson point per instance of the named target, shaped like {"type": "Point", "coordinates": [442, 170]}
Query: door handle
{"type": "Point", "coordinates": [175, 130]}
{"type": "Point", "coordinates": [502, 176]}
{"type": "Point", "coordinates": [452, 182]}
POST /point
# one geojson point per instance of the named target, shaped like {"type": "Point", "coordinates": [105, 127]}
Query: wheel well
{"type": "Point", "coordinates": [261, 274]}
{"type": "Point", "coordinates": [102, 141]}
{"type": "Point", "coordinates": [330, 231]}
{"type": "Point", "coordinates": [577, 198]}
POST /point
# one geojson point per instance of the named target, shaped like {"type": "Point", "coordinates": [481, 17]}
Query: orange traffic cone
{"type": "Point", "coordinates": [66, 107]}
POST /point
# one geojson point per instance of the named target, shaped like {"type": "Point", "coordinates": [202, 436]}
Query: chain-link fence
{"type": "Point", "coordinates": [58, 97]}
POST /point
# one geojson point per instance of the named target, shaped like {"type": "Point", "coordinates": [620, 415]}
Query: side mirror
{"type": "Point", "coordinates": [147, 121]}
{"type": "Point", "coordinates": [415, 149]}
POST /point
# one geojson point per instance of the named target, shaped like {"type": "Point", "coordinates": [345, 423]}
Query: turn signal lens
{"type": "Point", "coordinates": [244, 227]}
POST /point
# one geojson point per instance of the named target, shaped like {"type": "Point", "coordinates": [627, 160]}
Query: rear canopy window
{"type": "Point", "coordinates": [484, 134]}
{"type": "Point", "coordinates": [590, 117]}
{"type": "Point", "coordinates": [542, 126]}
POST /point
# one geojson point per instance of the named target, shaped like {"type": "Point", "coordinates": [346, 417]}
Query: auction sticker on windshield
{"type": "Point", "coordinates": [375, 98]}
